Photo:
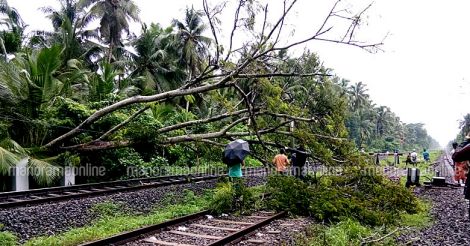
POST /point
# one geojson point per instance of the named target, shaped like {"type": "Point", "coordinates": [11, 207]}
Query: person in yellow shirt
{"type": "Point", "coordinates": [281, 161]}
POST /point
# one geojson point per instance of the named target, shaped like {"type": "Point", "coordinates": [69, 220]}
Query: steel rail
{"type": "Point", "coordinates": [13, 194]}
{"type": "Point", "coordinates": [131, 235]}
{"type": "Point", "coordinates": [38, 196]}
{"type": "Point", "coordinates": [95, 191]}
{"type": "Point", "coordinates": [237, 236]}
{"type": "Point", "coordinates": [138, 233]}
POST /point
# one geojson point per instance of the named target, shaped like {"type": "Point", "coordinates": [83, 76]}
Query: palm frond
{"type": "Point", "coordinates": [12, 83]}
{"type": "Point", "coordinates": [7, 161]}
{"type": "Point", "coordinates": [43, 172]}
{"type": "Point", "coordinates": [14, 147]}
{"type": "Point", "coordinates": [82, 4]}
{"type": "Point", "coordinates": [161, 111]}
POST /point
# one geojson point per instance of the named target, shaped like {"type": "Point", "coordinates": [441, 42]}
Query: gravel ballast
{"type": "Point", "coordinates": [279, 232]}
{"type": "Point", "coordinates": [449, 212]}
{"type": "Point", "coordinates": [451, 224]}
{"type": "Point", "coordinates": [53, 218]}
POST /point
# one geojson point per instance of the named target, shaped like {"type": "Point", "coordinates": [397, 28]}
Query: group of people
{"type": "Point", "coordinates": [298, 160]}
{"type": "Point", "coordinates": [412, 157]}
{"type": "Point", "coordinates": [281, 162]}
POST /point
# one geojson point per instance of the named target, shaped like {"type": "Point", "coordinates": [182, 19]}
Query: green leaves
{"type": "Point", "coordinates": [10, 154]}
{"type": "Point", "coordinates": [370, 199]}
{"type": "Point", "coordinates": [162, 111]}
{"type": "Point", "coordinates": [7, 161]}
{"type": "Point", "coordinates": [43, 172]}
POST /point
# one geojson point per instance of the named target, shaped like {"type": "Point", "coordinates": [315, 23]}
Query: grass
{"type": "Point", "coordinates": [349, 232]}
{"type": "Point", "coordinates": [111, 219]}
{"type": "Point", "coordinates": [419, 220]}
{"type": "Point", "coordinates": [389, 160]}
{"type": "Point", "coordinates": [7, 238]}
{"type": "Point", "coordinates": [112, 222]}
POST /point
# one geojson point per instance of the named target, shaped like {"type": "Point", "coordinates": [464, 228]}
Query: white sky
{"type": "Point", "coordinates": [422, 73]}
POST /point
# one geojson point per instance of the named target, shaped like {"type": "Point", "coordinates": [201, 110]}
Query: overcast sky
{"type": "Point", "coordinates": [422, 75]}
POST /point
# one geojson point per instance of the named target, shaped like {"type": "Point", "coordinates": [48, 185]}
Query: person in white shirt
{"type": "Point", "coordinates": [414, 157]}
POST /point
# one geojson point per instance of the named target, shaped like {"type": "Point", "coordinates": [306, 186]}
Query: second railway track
{"type": "Point", "coordinates": [195, 230]}
{"type": "Point", "coordinates": [38, 196]}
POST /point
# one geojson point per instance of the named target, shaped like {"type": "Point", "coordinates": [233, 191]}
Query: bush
{"type": "Point", "coordinates": [232, 197]}
{"type": "Point", "coordinates": [289, 193]}
{"type": "Point", "coordinates": [346, 233]}
{"type": "Point", "coordinates": [371, 199]}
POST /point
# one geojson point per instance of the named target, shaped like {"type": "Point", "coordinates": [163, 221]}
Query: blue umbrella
{"type": "Point", "coordinates": [236, 151]}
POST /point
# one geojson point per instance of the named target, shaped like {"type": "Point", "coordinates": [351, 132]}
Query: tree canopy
{"type": "Point", "coordinates": [177, 94]}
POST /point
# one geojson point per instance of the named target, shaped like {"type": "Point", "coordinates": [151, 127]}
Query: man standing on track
{"type": "Point", "coordinates": [298, 162]}
{"type": "Point", "coordinates": [235, 171]}
{"type": "Point", "coordinates": [426, 155]}
{"type": "Point", "coordinates": [281, 161]}
{"type": "Point", "coordinates": [414, 157]}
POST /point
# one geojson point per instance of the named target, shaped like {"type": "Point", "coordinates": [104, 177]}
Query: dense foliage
{"type": "Point", "coordinates": [82, 94]}
{"type": "Point", "coordinates": [233, 197]}
{"type": "Point", "coordinates": [371, 199]}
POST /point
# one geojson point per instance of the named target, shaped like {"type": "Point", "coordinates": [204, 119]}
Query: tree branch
{"type": "Point", "coordinates": [198, 137]}
{"type": "Point", "coordinates": [314, 134]}
{"type": "Point", "coordinates": [120, 125]}
{"type": "Point", "coordinates": [202, 121]}
{"type": "Point", "coordinates": [100, 145]}
{"type": "Point", "coordinates": [211, 24]}
{"type": "Point", "coordinates": [234, 28]}
{"type": "Point", "coordinates": [250, 110]}
{"type": "Point", "coordinates": [277, 145]}
{"type": "Point", "coordinates": [291, 117]}
{"type": "Point", "coordinates": [138, 99]}
{"type": "Point", "coordinates": [267, 75]}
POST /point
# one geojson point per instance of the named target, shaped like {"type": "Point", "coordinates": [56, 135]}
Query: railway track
{"type": "Point", "coordinates": [196, 229]}
{"type": "Point", "coordinates": [38, 196]}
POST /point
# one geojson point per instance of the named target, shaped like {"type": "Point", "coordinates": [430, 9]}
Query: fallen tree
{"type": "Point", "coordinates": [258, 76]}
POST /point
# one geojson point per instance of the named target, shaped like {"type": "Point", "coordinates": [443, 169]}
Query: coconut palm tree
{"type": "Point", "coordinates": [114, 18]}
{"type": "Point", "coordinates": [11, 38]}
{"type": "Point", "coordinates": [68, 23]}
{"type": "Point", "coordinates": [382, 120]}
{"type": "Point", "coordinates": [156, 65]}
{"type": "Point", "coordinates": [29, 83]}
{"type": "Point", "coordinates": [192, 45]}
{"type": "Point", "coordinates": [359, 97]}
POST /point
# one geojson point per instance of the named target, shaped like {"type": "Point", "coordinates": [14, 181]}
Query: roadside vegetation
{"type": "Point", "coordinates": [114, 218]}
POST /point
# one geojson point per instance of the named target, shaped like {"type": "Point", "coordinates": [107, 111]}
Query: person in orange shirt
{"type": "Point", "coordinates": [281, 161]}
